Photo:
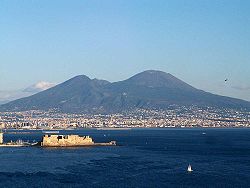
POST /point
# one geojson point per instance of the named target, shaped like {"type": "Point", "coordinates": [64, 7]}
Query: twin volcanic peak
{"type": "Point", "coordinates": [150, 90]}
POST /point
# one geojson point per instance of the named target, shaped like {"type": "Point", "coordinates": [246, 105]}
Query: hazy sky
{"type": "Point", "coordinates": [202, 42]}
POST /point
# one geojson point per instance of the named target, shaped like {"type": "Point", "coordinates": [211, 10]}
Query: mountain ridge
{"type": "Point", "coordinates": [148, 89]}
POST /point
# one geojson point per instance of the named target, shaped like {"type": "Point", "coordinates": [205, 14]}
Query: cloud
{"type": "Point", "coordinates": [40, 86]}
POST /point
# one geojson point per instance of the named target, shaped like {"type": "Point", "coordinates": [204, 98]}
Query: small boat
{"type": "Point", "coordinates": [203, 133]}
{"type": "Point", "coordinates": [189, 168]}
{"type": "Point", "coordinates": [50, 132]}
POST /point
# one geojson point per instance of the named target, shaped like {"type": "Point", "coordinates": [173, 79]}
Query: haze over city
{"type": "Point", "coordinates": [200, 42]}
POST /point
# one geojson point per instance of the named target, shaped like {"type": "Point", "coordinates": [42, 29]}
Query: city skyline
{"type": "Point", "coordinates": [200, 42]}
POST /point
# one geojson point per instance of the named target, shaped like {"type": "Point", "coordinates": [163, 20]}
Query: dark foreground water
{"type": "Point", "coordinates": [145, 158]}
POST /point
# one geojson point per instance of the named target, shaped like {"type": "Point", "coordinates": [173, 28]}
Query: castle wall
{"type": "Point", "coordinates": [66, 140]}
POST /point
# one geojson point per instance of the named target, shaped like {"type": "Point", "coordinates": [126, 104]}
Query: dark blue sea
{"type": "Point", "coordinates": [144, 158]}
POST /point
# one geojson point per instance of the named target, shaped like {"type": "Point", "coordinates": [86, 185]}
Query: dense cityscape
{"type": "Point", "coordinates": [179, 117]}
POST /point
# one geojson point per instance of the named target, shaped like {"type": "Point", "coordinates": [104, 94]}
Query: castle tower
{"type": "Point", "coordinates": [1, 138]}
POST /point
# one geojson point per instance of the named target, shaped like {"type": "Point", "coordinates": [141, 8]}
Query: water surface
{"type": "Point", "coordinates": [144, 158]}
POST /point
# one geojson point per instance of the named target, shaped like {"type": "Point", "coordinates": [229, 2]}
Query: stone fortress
{"type": "Point", "coordinates": [70, 141]}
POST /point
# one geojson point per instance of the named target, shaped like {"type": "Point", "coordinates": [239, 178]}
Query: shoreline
{"type": "Point", "coordinates": [60, 131]}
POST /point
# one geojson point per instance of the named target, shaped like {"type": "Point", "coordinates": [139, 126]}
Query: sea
{"type": "Point", "coordinates": [143, 158]}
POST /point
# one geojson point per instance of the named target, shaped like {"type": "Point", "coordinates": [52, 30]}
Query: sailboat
{"type": "Point", "coordinates": [189, 168]}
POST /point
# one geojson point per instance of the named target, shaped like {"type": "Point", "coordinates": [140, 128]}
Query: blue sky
{"type": "Point", "coordinates": [202, 42]}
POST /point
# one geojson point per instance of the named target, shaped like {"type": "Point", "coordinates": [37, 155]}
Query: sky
{"type": "Point", "coordinates": [202, 42]}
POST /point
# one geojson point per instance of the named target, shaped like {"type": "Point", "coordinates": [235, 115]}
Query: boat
{"type": "Point", "coordinates": [189, 168]}
{"type": "Point", "coordinates": [50, 132]}
{"type": "Point", "coordinates": [113, 128]}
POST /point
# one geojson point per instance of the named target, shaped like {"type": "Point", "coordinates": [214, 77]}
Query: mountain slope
{"type": "Point", "coordinates": [71, 95]}
{"type": "Point", "coordinates": [149, 89]}
{"type": "Point", "coordinates": [153, 89]}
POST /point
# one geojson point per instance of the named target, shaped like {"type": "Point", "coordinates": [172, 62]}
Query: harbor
{"type": "Point", "coordinates": [18, 143]}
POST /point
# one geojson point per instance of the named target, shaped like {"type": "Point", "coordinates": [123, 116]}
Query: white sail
{"type": "Point", "coordinates": [189, 168]}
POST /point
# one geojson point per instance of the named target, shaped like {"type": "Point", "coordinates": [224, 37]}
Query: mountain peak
{"type": "Point", "coordinates": [80, 77]}
{"type": "Point", "coordinates": [151, 74]}
{"type": "Point", "coordinates": [151, 71]}
{"type": "Point", "coordinates": [155, 78]}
